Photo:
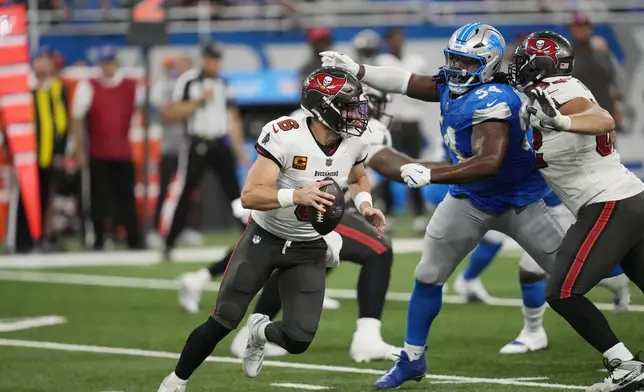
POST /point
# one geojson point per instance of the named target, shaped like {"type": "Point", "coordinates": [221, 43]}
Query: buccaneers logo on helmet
{"type": "Point", "coordinates": [543, 47]}
{"type": "Point", "coordinates": [326, 84]}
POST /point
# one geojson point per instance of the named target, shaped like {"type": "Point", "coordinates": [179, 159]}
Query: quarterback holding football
{"type": "Point", "coordinates": [295, 154]}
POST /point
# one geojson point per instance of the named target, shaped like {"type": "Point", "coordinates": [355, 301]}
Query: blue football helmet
{"type": "Point", "coordinates": [473, 56]}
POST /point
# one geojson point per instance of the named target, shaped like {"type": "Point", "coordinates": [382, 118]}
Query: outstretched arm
{"type": "Point", "coordinates": [396, 80]}
{"type": "Point", "coordinates": [489, 144]}
{"type": "Point", "coordinates": [387, 162]}
{"type": "Point", "coordinates": [387, 79]}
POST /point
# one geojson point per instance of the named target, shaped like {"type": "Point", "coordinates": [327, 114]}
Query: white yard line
{"type": "Point", "coordinates": [149, 257]}
{"type": "Point", "coordinates": [19, 324]}
{"type": "Point", "coordinates": [287, 365]}
{"type": "Point", "coordinates": [170, 284]}
{"type": "Point", "coordinates": [307, 387]}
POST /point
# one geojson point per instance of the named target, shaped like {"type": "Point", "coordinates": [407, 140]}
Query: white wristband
{"type": "Point", "coordinates": [564, 123]}
{"type": "Point", "coordinates": [361, 198]}
{"type": "Point", "coordinates": [285, 197]}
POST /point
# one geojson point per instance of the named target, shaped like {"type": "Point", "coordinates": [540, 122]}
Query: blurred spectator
{"type": "Point", "coordinates": [107, 104]}
{"type": "Point", "coordinates": [320, 39]}
{"type": "Point", "coordinates": [201, 99]}
{"type": "Point", "coordinates": [367, 46]}
{"type": "Point", "coordinates": [406, 131]}
{"type": "Point", "coordinates": [52, 119]}
{"type": "Point", "coordinates": [59, 62]}
{"type": "Point", "coordinates": [595, 67]}
{"type": "Point", "coordinates": [173, 133]}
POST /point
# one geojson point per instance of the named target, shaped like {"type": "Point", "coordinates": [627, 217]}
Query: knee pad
{"type": "Point", "coordinates": [228, 314]}
{"type": "Point", "coordinates": [295, 346]}
{"type": "Point", "coordinates": [429, 273]}
{"type": "Point", "coordinates": [553, 291]}
{"type": "Point", "coordinates": [386, 259]}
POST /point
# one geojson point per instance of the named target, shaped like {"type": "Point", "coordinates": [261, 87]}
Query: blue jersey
{"type": "Point", "coordinates": [518, 182]}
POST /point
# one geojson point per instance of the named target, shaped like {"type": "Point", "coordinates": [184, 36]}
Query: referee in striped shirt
{"type": "Point", "coordinates": [214, 130]}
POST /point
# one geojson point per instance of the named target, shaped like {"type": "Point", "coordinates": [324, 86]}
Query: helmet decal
{"type": "Point", "coordinates": [495, 44]}
{"type": "Point", "coordinates": [326, 84]}
{"type": "Point", "coordinates": [542, 47]}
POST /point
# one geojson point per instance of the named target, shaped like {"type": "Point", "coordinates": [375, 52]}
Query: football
{"type": "Point", "coordinates": [325, 223]}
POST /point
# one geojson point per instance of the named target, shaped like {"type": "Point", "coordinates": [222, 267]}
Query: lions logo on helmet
{"type": "Point", "coordinates": [473, 56]}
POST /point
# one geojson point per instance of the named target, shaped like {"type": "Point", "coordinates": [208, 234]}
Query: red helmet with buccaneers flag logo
{"type": "Point", "coordinates": [335, 97]}
{"type": "Point", "coordinates": [541, 55]}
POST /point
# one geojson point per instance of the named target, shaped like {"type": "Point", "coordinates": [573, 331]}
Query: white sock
{"type": "Point", "coordinates": [414, 352]}
{"type": "Point", "coordinates": [533, 318]}
{"type": "Point", "coordinates": [618, 351]}
{"type": "Point", "coordinates": [368, 325]}
{"type": "Point", "coordinates": [261, 331]}
{"type": "Point", "coordinates": [173, 379]}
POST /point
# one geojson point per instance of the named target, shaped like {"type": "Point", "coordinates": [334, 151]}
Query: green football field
{"type": "Point", "coordinates": [120, 329]}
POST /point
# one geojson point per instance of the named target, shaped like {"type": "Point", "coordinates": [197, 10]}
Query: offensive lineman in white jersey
{"type": "Point", "coordinates": [295, 153]}
{"type": "Point", "coordinates": [574, 152]}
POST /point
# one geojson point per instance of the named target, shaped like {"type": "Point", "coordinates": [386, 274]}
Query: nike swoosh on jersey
{"type": "Point", "coordinates": [489, 104]}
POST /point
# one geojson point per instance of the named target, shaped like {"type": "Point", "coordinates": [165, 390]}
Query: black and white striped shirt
{"type": "Point", "coordinates": [211, 119]}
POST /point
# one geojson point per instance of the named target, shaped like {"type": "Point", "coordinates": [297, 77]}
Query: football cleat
{"type": "Point", "coordinates": [471, 290]}
{"type": "Point", "coordinates": [403, 370]}
{"type": "Point", "coordinates": [527, 342]}
{"type": "Point", "coordinates": [620, 286]}
{"type": "Point", "coordinates": [625, 376]}
{"type": "Point", "coordinates": [255, 351]}
{"type": "Point", "coordinates": [239, 345]}
{"type": "Point", "coordinates": [330, 303]}
{"type": "Point", "coordinates": [191, 287]}
{"type": "Point", "coordinates": [367, 347]}
{"type": "Point", "coordinates": [170, 385]}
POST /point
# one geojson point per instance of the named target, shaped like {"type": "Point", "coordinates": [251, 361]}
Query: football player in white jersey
{"type": "Point", "coordinates": [574, 152]}
{"type": "Point", "coordinates": [361, 245]}
{"type": "Point", "coordinates": [295, 154]}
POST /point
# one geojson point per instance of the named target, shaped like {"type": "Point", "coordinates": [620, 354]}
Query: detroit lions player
{"type": "Point", "coordinates": [494, 183]}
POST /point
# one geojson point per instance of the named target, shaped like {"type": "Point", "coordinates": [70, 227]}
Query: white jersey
{"type": "Point", "coordinates": [288, 141]}
{"type": "Point", "coordinates": [580, 169]}
{"type": "Point", "coordinates": [377, 136]}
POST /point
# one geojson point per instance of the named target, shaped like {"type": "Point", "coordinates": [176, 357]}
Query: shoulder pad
{"type": "Point", "coordinates": [492, 102]}
{"type": "Point", "coordinates": [284, 124]}
{"type": "Point", "coordinates": [566, 89]}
